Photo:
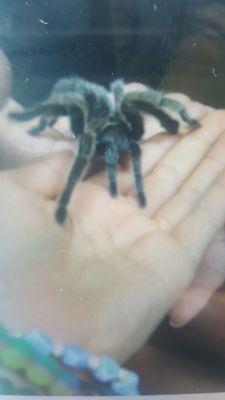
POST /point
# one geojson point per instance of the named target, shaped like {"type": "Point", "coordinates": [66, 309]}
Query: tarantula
{"type": "Point", "coordinates": [105, 123]}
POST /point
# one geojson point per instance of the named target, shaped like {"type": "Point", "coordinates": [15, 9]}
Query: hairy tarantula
{"type": "Point", "coordinates": [105, 123]}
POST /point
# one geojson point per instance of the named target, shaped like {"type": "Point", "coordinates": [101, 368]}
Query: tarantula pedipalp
{"type": "Point", "coordinates": [105, 123]}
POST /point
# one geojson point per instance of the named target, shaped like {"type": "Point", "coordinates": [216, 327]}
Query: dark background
{"type": "Point", "coordinates": [178, 44]}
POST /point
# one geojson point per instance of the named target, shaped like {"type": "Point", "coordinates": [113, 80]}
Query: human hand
{"type": "Point", "coordinates": [19, 148]}
{"type": "Point", "coordinates": [5, 78]}
{"type": "Point", "coordinates": [211, 273]}
{"type": "Point", "coordinates": [112, 268]}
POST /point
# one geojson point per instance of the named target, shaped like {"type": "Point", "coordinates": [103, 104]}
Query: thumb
{"type": "Point", "coordinates": [5, 78]}
{"type": "Point", "coordinates": [46, 176]}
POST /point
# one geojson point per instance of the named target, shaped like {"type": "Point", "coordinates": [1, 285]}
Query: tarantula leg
{"type": "Point", "coordinates": [178, 107]}
{"type": "Point", "coordinates": [44, 122]}
{"type": "Point", "coordinates": [136, 158]}
{"type": "Point", "coordinates": [80, 166]}
{"type": "Point", "coordinates": [49, 112]}
{"type": "Point", "coordinates": [117, 87]}
{"type": "Point", "coordinates": [77, 121]}
{"type": "Point", "coordinates": [191, 122]}
{"type": "Point", "coordinates": [146, 107]}
{"type": "Point", "coordinates": [30, 114]}
{"type": "Point", "coordinates": [166, 121]}
{"type": "Point", "coordinates": [26, 115]}
{"type": "Point", "coordinates": [111, 158]}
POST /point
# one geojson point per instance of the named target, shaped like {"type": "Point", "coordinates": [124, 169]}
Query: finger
{"type": "Point", "coordinates": [5, 78]}
{"type": "Point", "coordinates": [46, 176]}
{"type": "Point", "coordinates": [170, 174]}
{"type": "Point", "coordinates": [170, 215]}
{"type": "Point", "coordinates": [198, 110]}
{"type": "Point", "coordinates": [191, 304]}
{"type": "Point", "coordinates": [207, 280]}
{"type": "Point", "coordinates": [198, 229]}
{"type": "Point", "coordinates": [19, 148]}
{"type": "Point", "coordinates": [195, 109]}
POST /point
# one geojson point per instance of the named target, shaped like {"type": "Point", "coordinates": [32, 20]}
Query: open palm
{"type": "Point", "coordinates": [107, 277]}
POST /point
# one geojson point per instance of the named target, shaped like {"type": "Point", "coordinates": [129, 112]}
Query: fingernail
{"type": "Point", "coordinates": [175, 325]}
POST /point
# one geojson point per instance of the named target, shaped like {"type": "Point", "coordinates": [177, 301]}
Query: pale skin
{"type": "Point", "coordinates": [112, 268]}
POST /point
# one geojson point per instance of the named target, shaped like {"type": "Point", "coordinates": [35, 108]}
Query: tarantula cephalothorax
{"type": "Point", "coordinates": [105, 123]}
